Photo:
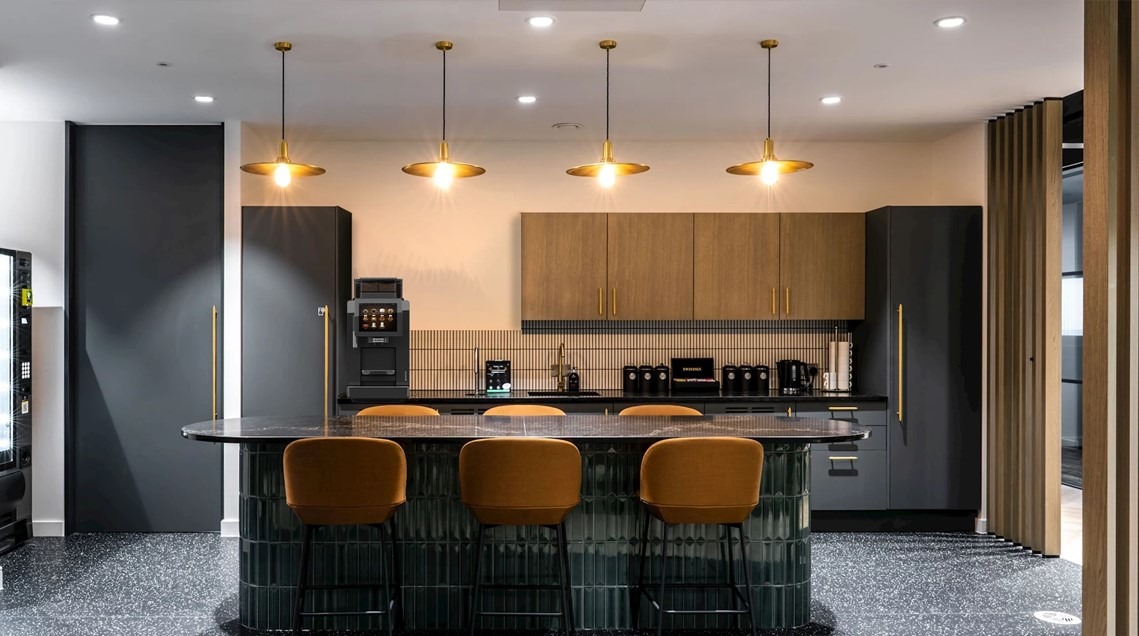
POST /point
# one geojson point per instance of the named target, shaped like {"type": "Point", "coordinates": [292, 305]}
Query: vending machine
{"type": "Point", "coordinates": [15, 400]}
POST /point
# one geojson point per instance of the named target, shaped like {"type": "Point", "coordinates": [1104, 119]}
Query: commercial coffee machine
{"type": "Point", "coordinates": [380, 357]}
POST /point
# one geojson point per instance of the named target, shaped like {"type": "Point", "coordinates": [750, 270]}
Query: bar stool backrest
{"type": "Point", "coordinates": [344, 480]}
{"type": "Point", "coordinates": [523, 409]}
{"type": "Point", "coordinates": [702, 479]}
{"type": "Point", "coordinates": [520, 480]}
{"type": "Point", "coordinates": [399, 410]}
{"type": "Point", "coordinates": [660, 409]}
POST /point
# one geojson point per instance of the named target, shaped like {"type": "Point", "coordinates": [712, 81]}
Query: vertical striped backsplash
{"type": "Point", "coordinates": [443, 359]}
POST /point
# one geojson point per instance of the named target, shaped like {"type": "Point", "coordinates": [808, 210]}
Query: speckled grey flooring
{"type": "Point", "coordinates": [864, 584]}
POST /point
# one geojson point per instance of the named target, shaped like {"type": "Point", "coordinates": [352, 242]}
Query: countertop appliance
{"type": "Point", "coordinates": [498, 376]}
{"type": "Point", "coordinates": [380, 357]}
{"type": "Point", "coordinates": [794, 377]}
{"type": "Point", "coordinates": [15, 400]}
{"type": "Point", "coordinates": [694, 376]}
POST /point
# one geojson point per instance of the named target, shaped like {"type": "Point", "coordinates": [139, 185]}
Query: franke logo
{"type": "Point", "coordinates": [379, 340]}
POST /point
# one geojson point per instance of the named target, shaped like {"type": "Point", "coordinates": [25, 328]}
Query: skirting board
{"type": "Point", "coordinates": [981, 525]}
{"type": "Point", "coordinates": [230, 528]}
{"type": "Point", "coordinates": [47, 528]}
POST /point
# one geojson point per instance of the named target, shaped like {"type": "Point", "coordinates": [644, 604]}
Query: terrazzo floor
{"type": "Point", "coordinates": [864, 584]}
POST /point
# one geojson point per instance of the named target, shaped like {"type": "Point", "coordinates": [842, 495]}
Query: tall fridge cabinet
{"type": "Point", "coordinates": [15, 400]}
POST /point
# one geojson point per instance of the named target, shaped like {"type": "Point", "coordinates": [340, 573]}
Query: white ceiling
{"type": "Point", "coordinates": [683, 69]}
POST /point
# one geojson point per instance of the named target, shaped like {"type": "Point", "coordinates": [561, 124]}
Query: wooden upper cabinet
{"type": "Point", "coordinates": [822, 266]}
{"type": "Point", "coordinates": [736, 267]}
{"type": "Point", "coordinates": [650, 267]}
{"type": "Point", "coordinates": [563, 266]}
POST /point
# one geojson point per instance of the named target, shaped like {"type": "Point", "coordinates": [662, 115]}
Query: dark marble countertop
{"type": "Point", "coordinates": [765, 428]}
{"type": "Point", "coordinates": [615, 395]}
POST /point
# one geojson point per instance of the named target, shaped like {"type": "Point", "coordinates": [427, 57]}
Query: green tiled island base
{"type": "Point", "coordinates": [437, 539]}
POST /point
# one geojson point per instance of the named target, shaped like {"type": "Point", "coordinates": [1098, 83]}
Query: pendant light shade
{"type": "Point", "coordinates": [283, 169]}
{"type": "Point", "coordinates": [444, 171]}
{"type": "Point", "coordinates": [606, 171]}
{"type": "Point", "coordinates": [769, 167]}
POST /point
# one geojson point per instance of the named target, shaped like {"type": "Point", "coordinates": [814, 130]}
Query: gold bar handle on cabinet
{"type": "Point", "coordinates": [600, 301]}
{"type": "Point", "coordinates": [788, 411]}
{"type": "Point", "coordinates": [774, 303]}
{"type": "Point", "coordinates": [614, 301]}
{"type": "Point", "coordinates": [842, 408]}
{"type": "Point", "coordinates": [901, 362]}
{"type": "Point", "coordinates": [787, 305]}
{"type": "Point", "coordinates": [214, 363]}
{"type": "Point", "coordinates": [324, 314]}
{"type": "Point", "coordinates": [843, 459]}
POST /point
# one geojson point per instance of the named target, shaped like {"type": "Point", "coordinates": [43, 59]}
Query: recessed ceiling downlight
{"type": "Point", "coordinates": [103, 19]}
{"type": "Point", "coordinates": [831, 100]}
{"type": "Point", "coordinates": [572, 125]}
{"type": "Point", "coordinates": [527, 99]}
{"type": "Point", "coordinates": [951, 22]}
{"type": "Point", "coordinates": [204, 99]}
{"type": "Point", "coordinates": [540, 21]}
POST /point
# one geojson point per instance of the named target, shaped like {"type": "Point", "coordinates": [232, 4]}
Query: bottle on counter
{"type": "Point", "coordinates": [573, 381]}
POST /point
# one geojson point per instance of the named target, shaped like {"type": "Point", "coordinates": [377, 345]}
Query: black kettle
{"type": "Point", "coordinates": [794, 377]}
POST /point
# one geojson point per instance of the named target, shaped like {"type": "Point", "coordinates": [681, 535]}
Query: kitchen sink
{"type": "Point", "coordinates": [562, 394]}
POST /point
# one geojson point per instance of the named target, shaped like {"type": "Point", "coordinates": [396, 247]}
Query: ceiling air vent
{"type": "Point", "coordinates": [571, 5]}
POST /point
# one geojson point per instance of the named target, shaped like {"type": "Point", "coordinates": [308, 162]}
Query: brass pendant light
{"type": "Point", "coordinates": [607, 170]}
{"type": "Point", "coordinates": [444, 171]}
{"type": "Point", "coordinates": [769, 167]}
{"type": "Point", "coordinates": [283, 170]}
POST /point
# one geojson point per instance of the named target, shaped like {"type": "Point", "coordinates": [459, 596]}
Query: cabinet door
{"type": "Point", "coordinates": [736, 266]}
{"type": "Point", "coordinates": [822, 266]}
{"type": "Point", "coordinates": [563, 266]}
{"type": "Point", "coordinates": [650, 267]}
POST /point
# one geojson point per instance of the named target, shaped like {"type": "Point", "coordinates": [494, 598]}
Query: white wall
{"type": "Point", "coordinates": [458, 252]}
{"type": "Point", "coordinates": [32, 185]}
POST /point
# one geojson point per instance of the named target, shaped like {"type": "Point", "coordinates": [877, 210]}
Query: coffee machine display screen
{"type": "Point", "coordinates": [378, 317]}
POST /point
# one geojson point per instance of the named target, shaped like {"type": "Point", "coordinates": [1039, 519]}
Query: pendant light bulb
{"type": "Point", "coordinates": [607, 176]}
{"type": "Point", "coordinates": [444, 175]}
{"type": "Point", "coordinates": [769, 173]}
{"type": "Point", "coordinates": [282, 175]}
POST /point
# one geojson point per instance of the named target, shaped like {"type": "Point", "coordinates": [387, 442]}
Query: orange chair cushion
{"type": "Point", "coordinates": [345, 480]}
{"type": "Point", "coordinates": [523, 409]}
{"type": "Point", "coordinates": [661, 409]}
{"type": "Point", "coordinates": [399, 410]}
{"type": "Point", "coordinates": [520, 480]}
{"type": "Point", "coordinates": [702, 479]}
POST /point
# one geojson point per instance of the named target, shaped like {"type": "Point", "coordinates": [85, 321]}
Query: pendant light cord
{"type": "Point", "coordinates": [607, 93]}
{"type": "Point", "coordinates": [769, 93]}
{"type": "Point", "coordinates": [444, 94]}
{"type": "Point", "coordinates": [282, 95]}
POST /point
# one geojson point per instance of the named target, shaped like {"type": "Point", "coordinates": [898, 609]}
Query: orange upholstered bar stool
{"type": "Point", "coordinates": [700, 480]}
{"type": "Point", "coordinates": [521, 481]}
{"type": "Point", "coordinates": [346, 481]}
{"type": "Point", "coordinates": [399, 410]}
{"type": "Point", "coordinates": [523, 409]}
{"type": "Point", "coordinates": [660, 409]}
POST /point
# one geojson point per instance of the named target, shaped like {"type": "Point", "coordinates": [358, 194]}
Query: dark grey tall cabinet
{"type": "Point", "coordinates": [920, 344]}
{"type": "Point", "coordinates": [294, 261]}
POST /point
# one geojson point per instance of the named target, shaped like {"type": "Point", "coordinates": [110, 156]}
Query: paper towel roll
{"type": "Point", "coordinates": [843, 368]}
{"type": "Point", "coordinates": [830, 382]}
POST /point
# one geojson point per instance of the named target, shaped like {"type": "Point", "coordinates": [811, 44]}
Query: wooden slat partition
{"type": "Point", "coordinates": [1024, 228]}
{"type": "Point", "coordinates": [1111, 318]}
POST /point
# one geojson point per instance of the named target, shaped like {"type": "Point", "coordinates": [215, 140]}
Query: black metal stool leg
{"type": "Point", "coordinates": [475, 581]}
{"type": "Point", "coordinates": [638, 591]}
{"type": "Point", "coordinates": [747, 579]}
{"type": "Point", "coordinates": [567, 584]}
{"type": "Point", "coordinates": [730, 558]}
{"type": "Point", "coordinates": [397, 575]}
{"type": "Point", "coordinates": [302, 577]}
{"type": "Point", "coordinates": [663, 577]}
{"type": "Point", "coordinates": [385, 578]}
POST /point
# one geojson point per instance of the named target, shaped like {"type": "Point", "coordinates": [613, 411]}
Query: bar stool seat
{"type": "Point", "coordinates": [523, 409]}
{"type": "Point", "coordinates": [709, 480]}
{"type": "Point", "coordinates": [521, 481]}
{"type": "Point", "coordinates": [660, 409]}
{"type": "Point", "coordinates": [399, 410]}
{"type": "Point", "coordinates": [347, 481]}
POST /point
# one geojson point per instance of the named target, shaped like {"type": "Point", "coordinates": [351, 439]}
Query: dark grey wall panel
{"type": "Point", "coordinates": [294, 260]}
{"type": "Point", "coordinates": [146, 234]}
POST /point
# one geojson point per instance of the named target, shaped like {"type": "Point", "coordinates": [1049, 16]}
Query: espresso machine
{"type": "Point", "coordinates": [380, 357]}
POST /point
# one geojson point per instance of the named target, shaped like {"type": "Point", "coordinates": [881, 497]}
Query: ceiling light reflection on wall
{"type": "Point", "coordinates": [102, 19]}
{"type": "Point", "coordinates": [540, 21]}
{"type": "Point", "coordinates": [951, 22]}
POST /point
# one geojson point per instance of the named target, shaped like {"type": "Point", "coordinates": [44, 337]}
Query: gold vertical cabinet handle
{"type": "Point", "coordinates": [614, 301]}
{"type": "Point", "coordinates": [324, 312]}
{"type": "Point", "coordinates": [787, 305]}
{"type": "Point", "coordinates": [901, 362]}
{"type": "Point", "coordinates": [214, 363]}
{"type": "Point", "coordinates": [600, 301]}
{"type": "Point", "coordinates": [774, 303]}
{"type": "Point", "coordinates": [788, 411]}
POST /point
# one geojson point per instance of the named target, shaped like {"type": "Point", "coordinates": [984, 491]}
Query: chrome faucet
{"type": "Point", "coordinates": [562, 367]}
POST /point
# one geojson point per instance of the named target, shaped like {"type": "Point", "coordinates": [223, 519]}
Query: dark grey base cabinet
{"type": "Point", "coordinates": [853, 475]}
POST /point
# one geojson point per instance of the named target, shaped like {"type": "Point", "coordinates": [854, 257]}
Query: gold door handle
{"type": "Point", "coordinates": [843, 459]}
{"type": "Point", "coordinates": [600, 301]}
{"type": "Point", "coordinates": [842, 408]}
{"type": "Point", "coordinates": [614, 307]}
{"type": "Point", "coordinates": [901, 363]}
{"type": "Point", "coordinates": [324, 313]}
{"type": "Point", "coordinates": [788, 411]}
{"type": "Point", "coordinates": [774, 303]}
{"type": "Point", "coordinates": [787, 305]}
{"type": "Point", "coordinates": [214, 363]}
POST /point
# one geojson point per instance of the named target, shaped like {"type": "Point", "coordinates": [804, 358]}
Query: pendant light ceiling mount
{"type": "Point", "coordinates": [607, 170]}
{"type": "Point", "coordinates": [444, 170]}
{"type": "Point", "coordinates": [769, 167]}
{"type": "Point", "coordinates": [283, 169]}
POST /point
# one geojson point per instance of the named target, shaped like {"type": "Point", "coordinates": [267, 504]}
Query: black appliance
{"type": "Point", "coordinates": [380, 356]}
{"type": "Point", "coordinates": [747, 378]}
{"type": "Point", "coordinates": [794, 377]}
{"type": "Point", "coordinates": [730, 377]}
{"type": "Point", "coordinates": [630, 380]}
{"type": "Point", "coordinates": [16, 400]}
{"type": "Point", "coordinates": [659, 383]}
{"type": "Point", "coordinates": [498, 376]}
{"type": "Point", "coordinates": [760, 383]}
{"type": "Point", "coordinates": [644, 379]}
{"type": "Point", "coordinates": [694, 376]}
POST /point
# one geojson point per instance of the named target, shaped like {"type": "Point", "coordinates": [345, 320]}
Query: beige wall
{"type": "Point", "coordinates": [458, 252]}
{"type": "Point", "coordinates": [959, 168]}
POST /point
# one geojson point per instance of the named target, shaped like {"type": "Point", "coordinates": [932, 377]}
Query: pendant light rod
{"type": "Point", "coordinates": [282, 47]}
{"type": "Point", "coordinates": [607, 50]}
{"type": "Point", "coordinates": [769, 93]}
{"type": "Point", "coordinates": [444, 46]}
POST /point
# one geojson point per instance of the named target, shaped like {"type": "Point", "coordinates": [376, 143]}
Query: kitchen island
{"type": "Point", "coordinates": [437, 533]}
